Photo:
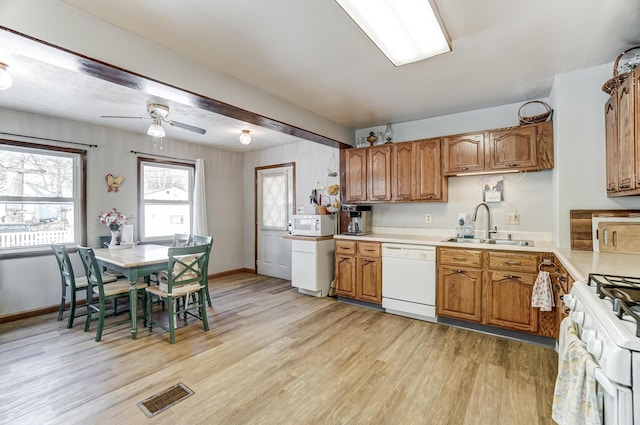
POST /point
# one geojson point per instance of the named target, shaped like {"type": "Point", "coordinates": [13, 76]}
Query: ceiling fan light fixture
{"type": "Point", "coordinates": [156, 129]}
{"type": "Point", "coordinates": [6, 80]}
{"type": "Point", "coordinates": [245, 137]}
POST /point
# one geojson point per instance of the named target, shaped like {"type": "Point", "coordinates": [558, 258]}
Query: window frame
{"type": "Point", "coordinates": [156, 162]}
{"type": "Point", "coordinates": [80, 198]}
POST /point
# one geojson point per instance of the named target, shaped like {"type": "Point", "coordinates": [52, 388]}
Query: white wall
{"type": "Point", "coordinates": [529, 193]}
{"type": "Point", "coordinates": [311, 159]}
{"type": "Point", "coordinates": [65, 26]}
{"type": "Point", "coordinates": [579, 127]}
{"type": "Point", "coordinates": [31, 283]}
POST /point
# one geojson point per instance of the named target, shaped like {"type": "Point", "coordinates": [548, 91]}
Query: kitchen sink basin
{"type": "Point", "coordinates": [516, 242]}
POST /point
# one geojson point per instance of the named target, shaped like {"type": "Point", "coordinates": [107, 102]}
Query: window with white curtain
{"type": "Point", "coordinates": [165, 198]}
{"type": "Point", "coordinates": [42, 194]}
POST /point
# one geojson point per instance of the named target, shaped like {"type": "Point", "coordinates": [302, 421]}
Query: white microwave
{"type": "Point", "coordinates": [312, 225]}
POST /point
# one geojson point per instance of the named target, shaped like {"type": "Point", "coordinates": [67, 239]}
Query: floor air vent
{"type": "Point", "coordinates": [164, 399]}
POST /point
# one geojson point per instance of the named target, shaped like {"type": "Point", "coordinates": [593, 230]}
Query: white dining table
{"type": "Point", "coordinates": [134, 262]}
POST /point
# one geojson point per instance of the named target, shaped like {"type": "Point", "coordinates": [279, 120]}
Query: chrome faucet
{"type": "Point", "coordinates": [489, 230]}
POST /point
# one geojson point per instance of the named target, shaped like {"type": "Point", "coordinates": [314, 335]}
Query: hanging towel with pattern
{"type": "Point", "coordinates": [542, 295]}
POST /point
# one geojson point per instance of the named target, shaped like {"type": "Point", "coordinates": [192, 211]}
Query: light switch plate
{"type": "Point", "coordinates": [300, 209]}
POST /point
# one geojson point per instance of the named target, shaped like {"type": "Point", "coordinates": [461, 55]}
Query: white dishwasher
{"type": "Point", "coordinates": [409, 280]}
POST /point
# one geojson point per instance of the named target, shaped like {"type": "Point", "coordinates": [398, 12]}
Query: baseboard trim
{"type": "Point", "coordinates": [12, 317]}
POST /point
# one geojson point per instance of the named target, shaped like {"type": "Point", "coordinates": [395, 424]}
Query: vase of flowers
{"type": "Point", "coordinates": [114, 220]}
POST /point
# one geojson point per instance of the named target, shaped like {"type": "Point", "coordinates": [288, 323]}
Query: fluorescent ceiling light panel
{"type": "Point", "coordinates": [405, 30]}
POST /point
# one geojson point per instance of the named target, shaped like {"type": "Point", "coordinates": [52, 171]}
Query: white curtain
{"type": "Point", "coordinates": [199, 201]}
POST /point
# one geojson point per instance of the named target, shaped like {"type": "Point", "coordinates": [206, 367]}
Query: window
{"type": "Point", "coordinates": [42, 192]}
{"type": "Point", "coordinates": [166, 198]}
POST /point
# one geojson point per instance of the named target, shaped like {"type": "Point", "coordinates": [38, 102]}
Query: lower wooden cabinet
{"type": "Point", "coordinates": [358, 270]}
{"type": "Point", "coordinates": [459, 293]}
{"type": "Point", "coordinates": [508, 301]}
{"type": "Point", "coordinates": [489, 287]}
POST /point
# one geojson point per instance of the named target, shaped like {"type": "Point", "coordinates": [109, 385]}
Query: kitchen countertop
{"type": "Point", "coordinates": [307, 238]}
{"type": "Point", "coordinates": [578, 263]}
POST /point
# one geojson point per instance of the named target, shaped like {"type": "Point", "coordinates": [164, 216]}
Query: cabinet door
{"type": "Point", "coordinates": [611, 140]}
{"type": "Point", "coordinates": [459, 293]}
{"type": "Point", "coordinates": [379, 173]}
{"type": "Point", "coordinates": [404, 172]}
{"type": "Point", "coordinates": [369, 280]}
{"type": "Point", "coordinates": [636, 124]}
{"type": "Point", "coordinates": [428, 171]}
{"type": "Point", "coordinates": [508, 301]}
{"type": "Point", "coordinates": [356, 175]}
{"type": "Point", "coordinates": [626, 145]}
{"type": "Point", "coordinates": [463, 153]}
{"type": "Point", "coordinates": [513, 148]}
{"type": "Point", "coordinates": [345, 275]}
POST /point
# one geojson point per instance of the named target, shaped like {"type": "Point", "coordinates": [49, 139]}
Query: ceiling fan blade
{"type": "Point", "coordinates": [187, 127]}
{"type": "Point", "coordinates": [119, 116]}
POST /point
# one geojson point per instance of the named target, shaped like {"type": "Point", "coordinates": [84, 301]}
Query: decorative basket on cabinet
{"type": "Point", "coordinates": [532, 119]}
{"type": "Point", "coordinates": [622, 67]}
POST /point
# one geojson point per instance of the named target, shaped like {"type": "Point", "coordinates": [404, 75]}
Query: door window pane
{"type": "Point", "coordinates": [274, 201]}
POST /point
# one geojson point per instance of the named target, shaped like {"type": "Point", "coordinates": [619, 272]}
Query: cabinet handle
{"type": "Point", "coordinates": [624, 186]}
{"type": "Point", "coordinates": [611, 189]}
{"type": "Point", "coordinates": [370, 250]}
{"type": "Point", "coordinates": [430, 197]}
{"type": "Point", "coordinates": [562, 279]}
{"type": "Point", "coordinates": [510, 276]}
{"type": "Point", "coordinates": [458, 271]}
{"type": "Point", "coordinates": [512, 263]}
{"type": "Point", "coordinates": [462, 168]}
{"type": "Point", "coordinates": [460, 258]}
{"type": "Point", "coordinates": [368, 262]}
{"type": "Point", "coordinates": [512, 165]}
{"type": "Point", "coordinates": [343, 259]}
{"type": "Point", "coordinates": [614, 235]}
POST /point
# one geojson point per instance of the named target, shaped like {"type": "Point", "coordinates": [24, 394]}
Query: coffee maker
{"type": "Point", "coordinates": [359, 219]}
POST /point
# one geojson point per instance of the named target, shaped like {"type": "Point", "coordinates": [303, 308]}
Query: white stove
{"type": "Point", "coordinates": [606, 312]}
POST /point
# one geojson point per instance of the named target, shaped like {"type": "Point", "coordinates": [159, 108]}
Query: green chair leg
{"type": "Point", "coordinates": [100, 322]}
{"type": "Point", "coordinates": [172, 323]}
{"type": "Point", "coordinates": [203, 310]}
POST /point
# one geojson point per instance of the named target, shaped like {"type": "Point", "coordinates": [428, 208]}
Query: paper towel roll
{"type": "Point", "coordinates": [127, 235]}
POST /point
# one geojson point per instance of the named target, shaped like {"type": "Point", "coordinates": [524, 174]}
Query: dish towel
{"type": "Point", "coordinates": [542, 295]}
{"type": "Point", "coordinates": [576, 398]}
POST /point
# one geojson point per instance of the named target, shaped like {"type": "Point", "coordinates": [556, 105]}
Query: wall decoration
{"type": "Point", "coordinates": [493, 188]}
{"type": "Point", "coordinates": [114, 183]}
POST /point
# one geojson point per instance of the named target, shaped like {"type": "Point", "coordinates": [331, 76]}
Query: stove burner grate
{"type": "Point", "coordinates": [624, 293]}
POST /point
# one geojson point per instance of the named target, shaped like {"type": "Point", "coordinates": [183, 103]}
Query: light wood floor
{"type": "Point", "coordinates": [273, 356]}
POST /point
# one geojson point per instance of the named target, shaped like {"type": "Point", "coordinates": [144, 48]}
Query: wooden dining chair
{"type": "Point", "coordinates": [104, 291]}
{"type": "Point", "coordinates": [204, 240]}
{"type": "Point", "coordinates": [181, 239]}
{"type": "Point", "coordinates": [186, 275]}
{"type": "Point", "coordinates": [71, 284]}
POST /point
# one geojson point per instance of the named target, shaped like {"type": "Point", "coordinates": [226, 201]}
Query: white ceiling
{"type": "Point", "coordinates": [311, 54]}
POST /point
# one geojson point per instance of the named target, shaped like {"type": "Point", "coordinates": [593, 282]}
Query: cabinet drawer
{"type": "Point", "coordinates": [346, 247]}
{"type": "Point", "coordinates": [521, 261]}
{"type": "Point", "coordinates": [460, 257]}
{"type": "Point", "coordinates": [369, 249]}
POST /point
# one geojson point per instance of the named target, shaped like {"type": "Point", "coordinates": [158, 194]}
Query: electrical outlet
{"type": "Point", "coordinates": [427, 218]}
{"type": "Point", "coordinates": [513, 218]}
{"type": "Point", "coordinates": [300, 209]}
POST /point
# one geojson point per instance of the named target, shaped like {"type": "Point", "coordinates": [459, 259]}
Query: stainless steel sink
{"type": "Point", "coordinates": [516, 242]}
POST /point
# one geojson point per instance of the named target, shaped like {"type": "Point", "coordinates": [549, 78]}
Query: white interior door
{"type": "Point", "coordinates": [274, 206]}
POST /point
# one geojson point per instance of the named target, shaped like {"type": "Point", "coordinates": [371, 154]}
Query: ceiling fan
{"type": "Point", "coordinates": [158, 113]}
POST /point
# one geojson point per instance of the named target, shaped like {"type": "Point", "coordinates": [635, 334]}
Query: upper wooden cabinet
{"type": "Point", "coordinates": [513, 148]}
{"type": "Point", "coordinates": [463, 153]}
{"type": "Point", "coordinates": [526, 147]}
{"type": "Point", "coordinates": [398, 172]}
{"type": "Point", "coordinates": [622, 124]}
{"type": "Point", "coordinates": [611, 138]}
{"type": "Point", "coordinates": [355, 175]}
{"type": "Point", "coordinates": [379, 173]}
